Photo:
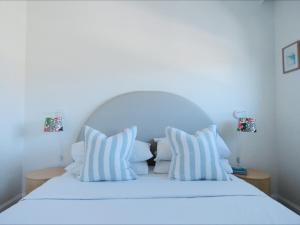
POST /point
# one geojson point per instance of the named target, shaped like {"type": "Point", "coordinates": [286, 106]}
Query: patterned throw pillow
{"type": "Point", "coordinates": [194, 157]}
{"type": "Point", "coordinates": [107, 158]}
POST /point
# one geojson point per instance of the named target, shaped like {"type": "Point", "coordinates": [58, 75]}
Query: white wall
{"type": "Point", "coordinates": [287, 29]}
{"type": "Point", "coordinates": [12, 81]}
{"type": "Point", "coordinates": [217, 54]}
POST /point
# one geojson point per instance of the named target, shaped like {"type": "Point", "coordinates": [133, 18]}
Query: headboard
{"type": "Point", "coordinates": [150, 111]}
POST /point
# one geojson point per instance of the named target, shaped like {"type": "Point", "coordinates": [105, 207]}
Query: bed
{"type": "Point", "coordinates": [151, 199]}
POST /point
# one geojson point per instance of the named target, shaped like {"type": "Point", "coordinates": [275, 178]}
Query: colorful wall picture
{"type": "Point", "coordinates": [291, 57]}
{"type": "Point", "coordinates": [53, 124]}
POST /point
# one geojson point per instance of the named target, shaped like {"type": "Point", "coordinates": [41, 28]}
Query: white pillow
{"type": "Point", "coordinates": [77, 152]}
{"type": "Point", "coordinates": [74, 169]}
{"type": "Point", "coordinates": [164, 149]}
{"type": "Point", "coordinates": [164, 166]}
{"type": "Point", "coordinates": [141, 152]}
{"type": "Point", "coordinates": [195, 157]}
{"type": "Point", "coordinates": [140, 168]}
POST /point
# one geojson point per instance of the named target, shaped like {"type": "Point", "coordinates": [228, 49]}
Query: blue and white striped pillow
{"type": "Point", "coordinates": [107, 158]}
{"type": "Point", "coordinates": [194, 157]}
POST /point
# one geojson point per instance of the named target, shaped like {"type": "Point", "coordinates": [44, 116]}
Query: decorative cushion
{"type": "Point", "coordinates": [162, 166]}
{"type": "Point", "coordinates": [140, 153]}
{"type": "Point", "coordinates": [223, 149]}
{"type": "Point", "coordinates": [194, 157]}
{"type": "Point", "coordinates": [107, 158]}
{"type": "Point", "coordinates": [226, 165]}
{"type": "Point", "coordinates": [164, 148]}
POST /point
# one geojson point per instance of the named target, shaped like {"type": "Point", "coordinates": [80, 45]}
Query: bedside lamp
{"type": "Point", "coordinates": [245, 125]}
{"type": "Point", "coordinates": [55, 125]}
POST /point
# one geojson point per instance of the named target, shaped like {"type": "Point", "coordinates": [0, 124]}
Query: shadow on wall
{"type": "Point", "coordinates": [157, 38]}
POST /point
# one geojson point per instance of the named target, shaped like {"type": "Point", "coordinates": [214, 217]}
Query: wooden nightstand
{"type": "Point", "coordinates": [259, 179]}
{"type": "Point", "coordinates": [36, 178]}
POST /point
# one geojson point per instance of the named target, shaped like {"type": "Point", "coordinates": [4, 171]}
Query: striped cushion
{"type": "Point", "coordinates": [194, 157]}
{"type": "Point", "coordinates": [107, 158]}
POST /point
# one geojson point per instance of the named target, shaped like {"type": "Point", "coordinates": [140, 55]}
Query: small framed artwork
{"type": "Point", "coordinates": [291, 57]}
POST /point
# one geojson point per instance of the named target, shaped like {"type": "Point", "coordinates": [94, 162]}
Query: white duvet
{"type": "Point", "coordinates": [151, 199]}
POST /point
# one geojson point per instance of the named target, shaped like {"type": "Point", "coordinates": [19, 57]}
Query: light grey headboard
{"type": "Point", "coordinates": [150, 111]}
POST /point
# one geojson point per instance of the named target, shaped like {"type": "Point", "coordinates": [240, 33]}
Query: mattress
{"type": "Point", "coordinates": [152, 199]}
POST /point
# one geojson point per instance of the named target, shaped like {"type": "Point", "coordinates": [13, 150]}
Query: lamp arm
{"type": "Point", "coordinates": [238, 114]}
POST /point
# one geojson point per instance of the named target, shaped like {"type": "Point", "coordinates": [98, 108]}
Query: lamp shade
{"type": "Point", "coordinates": [53, 124]}
{"type": "Point", "coordinates": [246, 124]}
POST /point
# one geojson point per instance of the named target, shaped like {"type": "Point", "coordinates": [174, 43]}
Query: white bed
{"type": "Point", "coordinates": [152, 199]}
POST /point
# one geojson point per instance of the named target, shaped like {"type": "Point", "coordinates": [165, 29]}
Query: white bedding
{"type": "Point", "coordinates": [149, 200]}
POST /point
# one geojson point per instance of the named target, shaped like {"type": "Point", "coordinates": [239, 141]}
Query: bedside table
{"type": "Point", "coordinates": [36, 178]}
{"type": "Point", "coordinates": [259, 179]}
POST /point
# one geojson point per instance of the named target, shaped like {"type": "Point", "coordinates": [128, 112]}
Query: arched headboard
{"type": "Point", "coordinates": [150, 111]}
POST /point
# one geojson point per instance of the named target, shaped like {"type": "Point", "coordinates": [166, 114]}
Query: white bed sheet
{"type": "Point", "coordinates": [151, 199]}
